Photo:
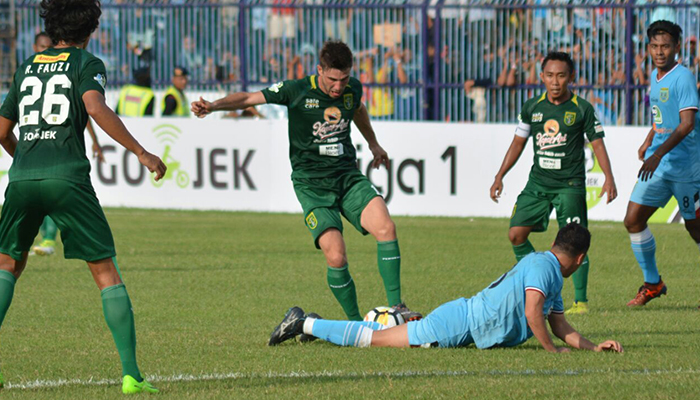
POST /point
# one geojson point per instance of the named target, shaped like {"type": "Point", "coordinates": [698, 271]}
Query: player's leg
{"type": "Point", "coordinates": [48, 233]}
{"type": "Point", "coordinates": [572, 207]}
{"type": "Point", "coordinates": [530, 214]}
{"type": "Point", "coordinates": [86, 235]}
{"type": "Point", "coordinates": [647, 196]}
{"type": "Point", "coordinates": [338, 274]}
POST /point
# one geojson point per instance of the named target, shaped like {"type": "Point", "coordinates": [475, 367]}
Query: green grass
{"type": "Point", "coordinates": [208, 287]}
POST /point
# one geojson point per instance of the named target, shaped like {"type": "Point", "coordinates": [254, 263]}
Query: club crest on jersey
{"type": "Point", "coordinates": [347, 101]}
{"type": "Point", "coordinates": [311, 221]}
{"type": "Point", "coordinates": [569, 118]}
{"type": "Point", "coordinates": [101, 79]}
{"type": "Point", "coordinates": [663, 95]}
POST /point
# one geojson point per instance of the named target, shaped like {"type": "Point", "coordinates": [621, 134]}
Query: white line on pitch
{"type": "Point", "coordinates": [47, 384]}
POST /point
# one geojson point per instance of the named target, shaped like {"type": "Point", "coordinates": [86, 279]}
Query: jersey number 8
{"type": "Point", "coordinates": [51, 99]}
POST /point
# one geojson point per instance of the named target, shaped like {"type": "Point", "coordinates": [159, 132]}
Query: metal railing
{"type": "Point", "coordinates": [451, 60]}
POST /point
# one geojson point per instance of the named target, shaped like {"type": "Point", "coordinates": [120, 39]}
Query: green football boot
{"type": "Point", "coordinates": [131, 386]}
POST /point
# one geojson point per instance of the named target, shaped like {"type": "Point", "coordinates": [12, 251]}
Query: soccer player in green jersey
{"type": "Point", "coordinates": [558, 121]}
{"type": "Point", "coordinates": [326, 179]}
{"type": "Point", "coordinates": [51, 96]}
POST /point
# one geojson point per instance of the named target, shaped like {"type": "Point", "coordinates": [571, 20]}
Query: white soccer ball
{"type": "Point", "coordinates": [386, 316]}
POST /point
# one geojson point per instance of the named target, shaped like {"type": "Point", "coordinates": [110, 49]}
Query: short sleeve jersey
{"type": "Point", "coordinates": [496, 315]}
{"type": "Point", "coordinates": [45, 99]}
{"type": "Point", "coordinates": [558, 136]}
{"type": "Point", "coordinates": [319, 126]}
{"type": "Point", "coordinates": [674, 92]}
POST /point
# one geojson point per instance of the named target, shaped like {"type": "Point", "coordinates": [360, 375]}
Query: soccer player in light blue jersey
{"type": "Point", "coordinates": [505, 314]}
{"type": "Point", "coordinates": [671, 155]}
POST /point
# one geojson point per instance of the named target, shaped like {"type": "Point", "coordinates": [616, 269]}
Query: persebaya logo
{"type": "Point", "coordinates": [569, 118]}
{"type": "Point", "coordinates": [594, 177]}
{"type": "Point", "coordinates": [311, 221]}
{"type": "Point", "coordinates": [347, 101]}
{"type": "Point", "coordinates": [168, 135]}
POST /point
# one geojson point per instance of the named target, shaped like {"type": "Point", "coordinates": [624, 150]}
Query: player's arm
{"type": "Point", "coordinates": [534, 302]}
{"type": "Point", "coordinates": [646, 144]}
{"type": "Point", "coordinates": [96, 148]}
{"type": "Point", "coordinates": [682, 130]}
{"type": "Point", "coordinates": [601, 154]}
{"type": "Point", "coordinates": [564, 331]}
{"type": "Point", "coordinates": [114, 127]}
{"type": "Point", "coordinates": [361, 119]}
{"type": "Point", "coordinates": [8, 140]}
{"type": "Point", "coordinates": [512, 155]}
{"type": "Point", "coordinates": [236, 101]}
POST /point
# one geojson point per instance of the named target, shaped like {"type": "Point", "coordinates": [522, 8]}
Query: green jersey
{"type": "Point", "coordinates": [319, 126]}
{"type": "Point", "coordinates": [558, 139]}
{"type": "Point", "coordinates": [45, 99]}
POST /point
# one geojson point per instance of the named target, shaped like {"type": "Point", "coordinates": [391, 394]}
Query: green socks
{"type": "Point", "coordinates": [120, 319]}
{"type": "Point", "coordinates": [343, 288]}
{"type": "Point", "coordinates": [580, 278]}
{"type": "Point", "coordinates": [522, 250]}
{"type": "Point", "coordinates": [7, 289]}
{"type": "Point", "coordinates": [48, 229]}
{"type": "Point", "coordinates": [389, 261]}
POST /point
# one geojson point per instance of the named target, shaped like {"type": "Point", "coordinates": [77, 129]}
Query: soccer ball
{"type": "Point", "coordinates": [386, 316]}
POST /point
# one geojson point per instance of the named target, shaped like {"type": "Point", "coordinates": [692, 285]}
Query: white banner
{"type": "Point", "coordinates": [436, 169]}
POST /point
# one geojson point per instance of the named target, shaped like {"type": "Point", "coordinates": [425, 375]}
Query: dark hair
{"type": "Point", "coordinates": [39, 35]}
{"type": "Point", "coordinates": [335, 54]}
{"type": "Point", "coordinates": [663, 26]}
{"type": "Point", "coordinates": [70, 21]}
{"type": "Point", "coordinates": [142, 76]}
{"type": "Point", "coordinates": [573, 239]}
{"type": "Point", "coordinates": [559, 56]}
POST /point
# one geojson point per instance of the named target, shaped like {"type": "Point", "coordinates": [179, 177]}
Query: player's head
{"type": "Point", "coordinates": [70, 21]}
{"type": "Point", "coordinates": [42, 41]}
{"type": "Point", "coordinates": [335, 62]}
{"type": "Point", "coordinates": [664, 43]}
{"type": "Point", "coordinates": [557, 73]}
{"type": "Point", "coordinates": [142, 76]}
{"type": "Point", "coordinates": [180, 75]}
{"type": "Point", "coordinates": [573, 242]}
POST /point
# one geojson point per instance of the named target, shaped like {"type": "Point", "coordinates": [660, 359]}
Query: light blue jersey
{"type": "Point", "coordinates": [674, 92]}
{"type": "Point", "coordinates": [496, 315]}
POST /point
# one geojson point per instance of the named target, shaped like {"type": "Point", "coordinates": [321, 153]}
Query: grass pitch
{"type": "Point", "coordinates": [208, 287]}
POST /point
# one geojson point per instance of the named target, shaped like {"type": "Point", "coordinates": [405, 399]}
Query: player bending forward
{"type": "Point", "coordinates": [507, 313]}
{"type": "Point", "coordinates": [325, 175]}
{"type": "Point", "coordinates": [671, 155]}
{"type": "Point", "coordinates": [51, 96]}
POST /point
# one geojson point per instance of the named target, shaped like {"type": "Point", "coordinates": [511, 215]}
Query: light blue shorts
{"type": "Point", "coordinates": [446, 325]}
{"type": "Point", "coordinates": [656, 192]}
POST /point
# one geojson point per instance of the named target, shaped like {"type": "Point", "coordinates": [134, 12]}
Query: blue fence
{"type": "Point", "coordinates": [450, 60]}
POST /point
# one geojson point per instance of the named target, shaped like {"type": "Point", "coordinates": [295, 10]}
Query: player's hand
{"type": "Point", "coordinates": [610, 345]}
{"type": "Point", "coordinates": [642, 150]}
{"type": "Point", "coordinates": [97, 153]}
{"type": "Point", "coordinates": [380, 157]}
{"type": "Point", "coordinates": [201, 108]}
{"type": "Point", "coordinates": [648, 168]}
{"type": "Point", "coordinates": [153, 163]}
{"type": "Point", "coordinates": [610, 188]}
{"type": "Point", "coordinates": [496, 189]}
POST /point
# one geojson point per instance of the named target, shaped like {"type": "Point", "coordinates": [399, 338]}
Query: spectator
{"type": "Point", "coordinates": [175, 102]}
{"type": "Point", "coordinates": [42, 41]}
{"type": "Point", "coordinates": [136, 100]}
{"type": "Point", "coordinates": [381, 101]}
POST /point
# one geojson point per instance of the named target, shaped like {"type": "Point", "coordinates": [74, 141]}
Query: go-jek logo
{"type": "Point", "coordinates": [168, 135]}
{"type": "Point", "coordinates": [595, 178]}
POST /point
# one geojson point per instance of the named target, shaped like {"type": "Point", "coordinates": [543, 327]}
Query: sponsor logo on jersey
{"type": "Point", "coordinates": [537, 117]}
{"type": "Point", "coordinates": [333, 125]}
{"type": "Point", "coordinates": [569, 118]}
{"type": "Point", "coordinates": [101, 79]}
{"type": "Point", "coordinates": [276, 87]}
{"type": "Point", "coordinates": [311, 103]}
{"type": "Point", "coordinates": [663, 95]}
{"type": "Point", "coordinates": [39, 135]}
{"type": "Point", "coordinates": [347, 101]}
{"type": "Point", "coordinates": [44, 59]}
{"type": "Point", "coordinates": [656, 115]}
{"type": "Point", "coordinates": [311, 221]}
{"type": "Point", "coordinates": [551, 137]}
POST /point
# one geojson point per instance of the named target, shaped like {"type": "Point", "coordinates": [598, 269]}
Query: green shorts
{"type": "Point", "coordinates": [325, 199]}
{"type": "Point", "coordinates": [535, 204]}
{"type": "Point", "coordinates": [75, 209]}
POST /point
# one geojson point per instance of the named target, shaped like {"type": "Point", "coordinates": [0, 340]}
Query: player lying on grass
{"type": "Point", "coordinates": [51, 96]}
{"type": "Point", "coordinates": [671, 155]}
{"type": "Point", "coordinates": [507, 313]}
